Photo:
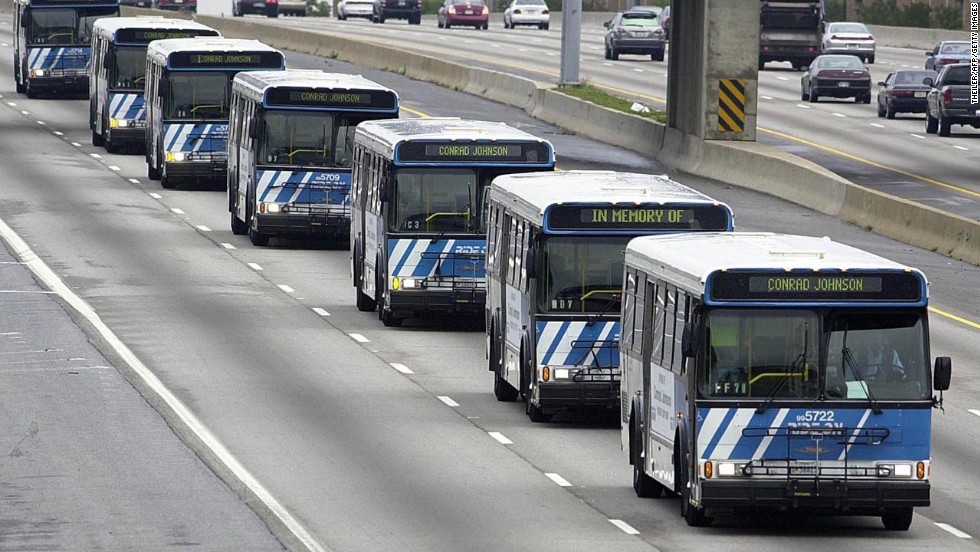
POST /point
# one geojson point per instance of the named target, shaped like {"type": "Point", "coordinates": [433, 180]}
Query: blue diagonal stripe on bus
{"type": "Point", "coordinates": [433, 254]}
{"type": "Point", "coordinates": [716, 438]}
{"type": "Point", "coordinates": [410, 246]}
{"type": "Point", "coordinates": [550, 348]}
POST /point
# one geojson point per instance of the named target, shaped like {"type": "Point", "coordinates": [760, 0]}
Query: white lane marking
{"type": "Point", "coordinates": [171, 407]}
{"type": "Point", "coordinates": [22, 112]}
{"type": "Point", "coordinates": [255, 266]}
{"type": "Point", "coordinates": [972, 411]}
{"type": "Point", "coordinates": [359, 338]}
{"type": "Point", "coordinates": [227, 245]}
{"type": "Point", "coordinates": [914, 135]}
{"type": "Point", "coordinates": [551, 54]}
{"type": "Point", "coordinates": [626, 527]}
{"type": "Point", "coordinates": [96, 156]}
{"type": "Point", "coordinates": [320, 311]}
{"type": "Point", "coordinates": [500, 438]}
{"type": "Point", "coordinates": [177, 211]}
{"type": "Point", "coordinates": [561, 481]}
{"type": "Point", "coordinates": [961, 148]}
{"type": "Point", "coordinates": [76, 144]}
{"type": "Point", "coordinates": [803, 106]}
{"type": "Point", "coordinates": [607, 64]}
{"type": "Point", "coordinates": [782, 78]}
{"type": "Point", "coordinates": [638, 70]}
{"type": "Point", "coordinates": [12, 104]}
{"type": "Point", "coordinates": [953, 531]}
{"type": "Point", "coordinates": [448, 401]}
{"type": "Point", "coordinates": [57, 133]}
{"type": "Point", "coordinates": [876, 125]}
{"type": "Point", "coordinates": [42, 123]}
{"type": "Point", "coordinates": [134, 181]}
{"type": "Point", "coordinates": [286, 288]}
{"type": "Point", "coordinates": [838, 115]}
{"type": "Point", "coordinates": [114, 168]}
{"type": "Point", "coordinates": [766, 97]}
{"type": "Point", "coordinates": [203, 228]}
{"type": "Point", "coordinates": [402, 368]}
{"type": "Point", "coordinates": [155, 195]}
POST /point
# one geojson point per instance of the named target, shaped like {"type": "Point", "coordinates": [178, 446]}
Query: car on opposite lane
{"type": "Point", "coordinates": [527, 12]}
{"type": "Point", "coordinates": [904, 92]}
{"type": "Point", "coordinates": [948, 52]}
{"type": "Point", "coordinates": [849, 38]}
{"type": "Point", "coordinates": [354, 8]}
{"type": "Point", "coordinates": [269, 8]}
{"type": "Point", "coordinates": [635, 32]}
{"type": "Point", "coordinates": [465, 13]}
{"type": "Point", "coordinates": [410, 10]}
{"type": "Point", "coordinates": [293, 7]}
{"type": "Point", "coordinates": [836, 76]}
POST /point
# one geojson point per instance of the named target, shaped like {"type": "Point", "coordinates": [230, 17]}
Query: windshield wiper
{"type": "Point", "coordinates": [595, 317]}
{"type": "Point", "coordinates": [848, 361]}
{"type": "Point", "coordinates": [798, 362]}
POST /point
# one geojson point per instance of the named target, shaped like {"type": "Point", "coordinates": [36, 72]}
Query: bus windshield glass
{"type": "Point", "coordinates": [129, 68]}
{"type": "Point", "coordinates": [298, 138]}
{"type": "Point", "coordinates": [581, 274]}
{"type": "Point", "coordinates": [64, 26]}
{"type": "Point", "coordinates": [198, 95]}
{"type": "Point", "coordinates": [441, 200]}
{"type": "Point", "coordinates": [832, 354]}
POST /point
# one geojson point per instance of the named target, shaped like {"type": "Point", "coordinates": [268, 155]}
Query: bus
{"type": "Point", "coordinates": [117, 115]}
{"type": "Point", "coordinates": [291, 142]}
{"type": "Point", "coordinates": [554, 276]}
{"type": "Point", "coordinates": [418, 240]}
{"type": "Point", "coordinates": [771, 372]}
{"type": "Point", "coordinates": [52, 44]}
{"type": "Point", "coordinates": [188, 89]}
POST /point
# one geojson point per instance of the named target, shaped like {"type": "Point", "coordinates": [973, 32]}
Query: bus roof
{"type": "Point", "coordinates": [255, 84]}
{"type": "Point", "coordinates": [530, 194]}
{"type": "Point", "coordinates": [384, 135]}
{"type": "Point", "coordinates": [689, 259]}
{"type": "Point", "coordinates": [160, 50]}
{"type": "Point", "coordinates": [107, 27]}
{"type": "Point", "coordinates": [68, 3]}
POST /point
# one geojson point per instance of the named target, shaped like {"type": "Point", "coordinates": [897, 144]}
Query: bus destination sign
{"type": "Point", "coordinates": [229, 60]}
{"type": "Point", "coordinates": [145, 36]}
{"type": "Point", "coordinates": [459, 151]}
{"type": "Point", "coordinates": [638, 217]}
{"type": "Point", "coordinates": [340, 99]}
{"type": "Point", "coordinates": [783, 286]}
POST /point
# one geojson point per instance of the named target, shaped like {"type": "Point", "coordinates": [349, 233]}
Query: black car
{"type": "Point", "coordinates": [903, 92]}
{"type": "Point", "coordinates": [635, 32]}
{"type": "Point", "coordinates": [397, 9]}
{"type": "Point", "coordinates": [837, 76]}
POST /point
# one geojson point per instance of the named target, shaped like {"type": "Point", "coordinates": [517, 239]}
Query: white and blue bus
{"type": "Point", "coordinates": [418, 239]}
{"type": "Point", "coordinates": [187, 94]}
{"type": "Point", "coordinates": [52, 44]}
{"type": "Point", "coordinates": [554, 272]}
{"type": "Point", "coordinates": [117, 115]}
{"type": "Point", "coordinates": [769, 372]}
{"type": "Point", "coordinates": [290, 147]}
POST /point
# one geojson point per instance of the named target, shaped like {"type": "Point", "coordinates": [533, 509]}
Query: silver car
{"type": "Point", "coordinates": [849, 38]}
{"type": "Point", "coordinates": [354, 8]}
{"type": "Point", "coordinates": [527, 12]}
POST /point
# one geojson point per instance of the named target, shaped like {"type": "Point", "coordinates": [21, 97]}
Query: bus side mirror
{"type": "Point", "coordinates": [688, 341]}
{"type": "Point", "coordinates": [257, 129]}
{"type": "Point", "coordinates": [941, 373]}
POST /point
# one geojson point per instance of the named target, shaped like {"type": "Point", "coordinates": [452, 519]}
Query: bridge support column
{"type": "Point", "coordinates": [712, 81]}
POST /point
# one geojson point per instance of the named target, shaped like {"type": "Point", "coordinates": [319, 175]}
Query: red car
{"type": "Point", "coordinates": [471, 13]}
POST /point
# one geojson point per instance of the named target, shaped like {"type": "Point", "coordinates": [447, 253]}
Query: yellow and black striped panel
{"type": "Point", "coordinates": [731, 105]}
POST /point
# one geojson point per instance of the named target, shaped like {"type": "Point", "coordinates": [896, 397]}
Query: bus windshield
{"type": "Point", "coordinates": [129, 68]}
{"type": "Point", "coordinates": [197, 95]}
{"type": "Point", "coordinates": [300, 138]}
{"type": "Point", "coordinates": [441, 200]}
{"type": "Point", "coordinates": [64, 25]}
{"type": "Point", "coordinates": [581, 274]}
{"type": "Point", "coordinates": [833, 354]}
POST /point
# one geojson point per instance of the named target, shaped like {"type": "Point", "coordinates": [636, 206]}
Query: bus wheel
{"type": "Point", "coordinates": [30, 90]}
{"type": "Point", "coordinates": [693, 515]}
{"type": "Point", "coordinates": [897, 520]}
{"type": "Point", "coordinates": [97, 139]}
{"type": "Point", "coordinates": [238, 227]}
{"type": "Point", "coordinates": [111, 146]}
{"type": "Point", "coordinates": [533, 411]}
{"type": "Point", "coordinates": [257, 238]}
{"type": "Point", "coordinates": [151, 172]}
{"type": "Point", "coordinates": [504, 391]}
{"type": "Point", "coordinates": [167, 182]}
{"type": "Point", "coordinates": [384, 313]}
{"type": "Point", "coordinates": [643, 485]}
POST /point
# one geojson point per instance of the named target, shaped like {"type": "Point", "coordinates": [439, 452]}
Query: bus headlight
{"type": "Point", "coordinates": [37, 72]}
{"type": "Point", "coordinates": [894, 470]}
{"type": "Point", "coordinates": [176, 156]}
{"type": "Point", "coordinates": [410, 283]}
{"type": "Point", "coordinates": [270, 208]}
{"type": "Point", "coordinates": [561, 373]}
{"type": "Point", "coordinates": [119, 123]}
{"type": "Point", "coordinates": [727, 469]}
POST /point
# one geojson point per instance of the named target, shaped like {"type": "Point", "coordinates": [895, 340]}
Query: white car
{"type": "Point", "coordinates": [527, 12]}
{"type": "Point", "coordinates": [849, 38]}
{"type": "Point", "coordinates": [354, 8]}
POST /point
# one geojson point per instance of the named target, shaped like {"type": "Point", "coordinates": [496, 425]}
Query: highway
{"type": "Point", "coordinates": [893, 156]}
{"type": "Point", "coordinates": [390, 439]}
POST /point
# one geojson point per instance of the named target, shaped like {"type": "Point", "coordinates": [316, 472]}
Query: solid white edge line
{"type": "Point", "coordinates": [321, 312]}
{"type": "Point", "coordinates": [500, 438]}
{"type": "Point", "coordinates": [953, 531]}
{"type": "Point", "coordinates": [448, 401]}
{"type": "Point", "coordinates": [359, 338]}
{"type": "Point", "coordinates": [402, 368]}
{"type": "Point", "coordinates": [559, 480]}
{"type": "Point", "coordinates": [179, 413]}
{"type": "Point", "coordinates": [625, 527]}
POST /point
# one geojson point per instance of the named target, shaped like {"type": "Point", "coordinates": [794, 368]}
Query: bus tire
{"type": "Point", "coordinates": [97, 139]}
{"type": "Point", "coordinates": [111, 146]}
{"type": "Point", "coordinates": [238, 227]}
{"type": "Point", "coordinates": [503, 390]}
{"type": "Point", "coordinates": [643, 485]}
{"type": "Point", "coordinates": [693, 515]}
{"type": "Point", "coordinates": [533, 411]}
{"type": "Point", "coordinates": [899, 519]}
{"type": "Point", "coordinates": [30, 90]}
{"type": "Point", "coordinates": [257, 238]}
{"type": "Point", "coordinates": [363, 301]}
{"type": "Point", "coordinates": [384, 313]}
{"type": "Point", "coordinates": [151, 172]}
{"type": "Point", "coordinates": [166, 181]}
{"type": "Point", "coordinates": [18, 82]}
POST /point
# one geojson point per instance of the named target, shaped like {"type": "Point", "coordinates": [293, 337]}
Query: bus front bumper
{"type": "Point", "coordinates": [188, 170]}
{"type": "Point", "coordinates": [862, 497]}
{"type": "Point", "coordinates": [130, 135]}
{"type": "Point", "coordinates": [564, 394]}
{"type": "Point", "coordinates": [55, 80]}
{"type": "Point", "coordinates": [312, 225]}
{"type": "Point", "coordinates": [459, 300]}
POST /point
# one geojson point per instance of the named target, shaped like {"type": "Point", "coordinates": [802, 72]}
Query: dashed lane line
{"type": "Point", "coordinates": [624, 527]}
{"type": "Point", "coordinates": [402, 368]}
{"type": "Point", "coordinates": [500, 438]}
{"type": "Point", "coordinates": [448, 401]}
{"type": "Point", "coordinates": [953, 531]}
{"type": "Point", "coordinates": [321, 312]}
{"type": "Point", "coordinates": [359, 338]}
{"type": "Point", "coordinates": [559, 480]}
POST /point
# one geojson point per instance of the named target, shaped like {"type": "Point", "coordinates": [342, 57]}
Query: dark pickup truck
{"type": "Point", "coordinates": [949, 100]}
